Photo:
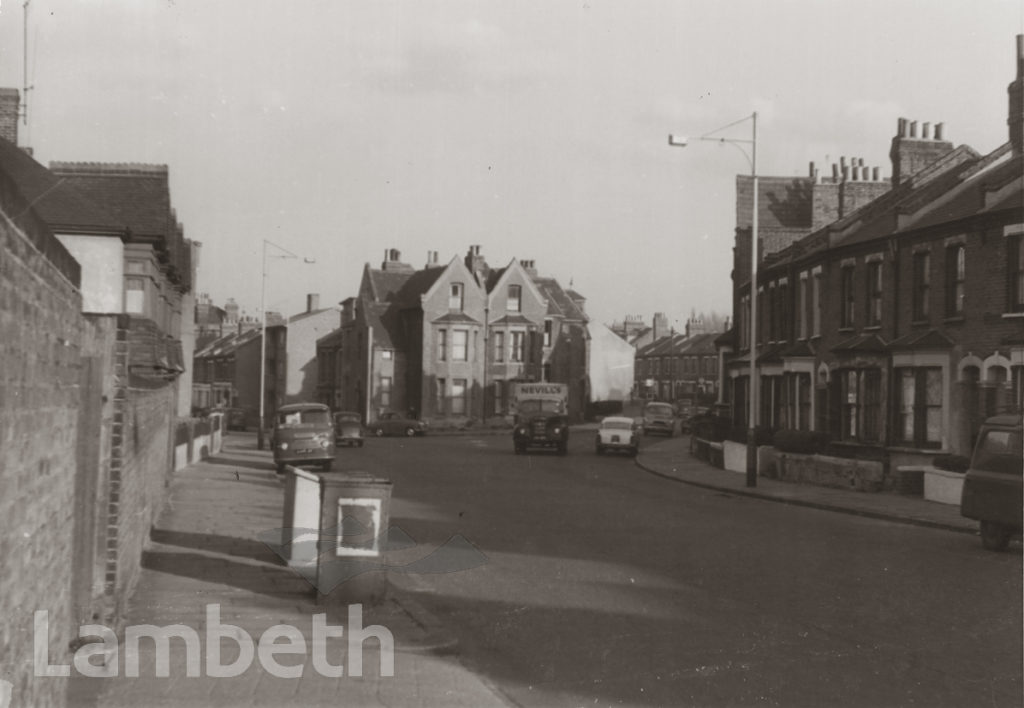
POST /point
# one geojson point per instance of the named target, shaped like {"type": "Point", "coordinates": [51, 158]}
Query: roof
{"type": "Point", "coordinates": [559, 302]}
{"type": "Point", "coordinates": [57, 201]}
{"type": "Point", "coordinates": [514, 319]}
{"type": "Point", "coordinates": [929, 339]}
{"type": "Point", "coordinates": [136, 195]}
{"type": "Point", "coordinates": [863, 343]}
{"type": "Point", "coordinates": [456, 318]}
{"type": "Point", "coordinates": [385, 284]}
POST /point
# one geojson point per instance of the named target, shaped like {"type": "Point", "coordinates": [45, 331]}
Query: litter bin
{"type": "Point", "coordinates": [335, 533]}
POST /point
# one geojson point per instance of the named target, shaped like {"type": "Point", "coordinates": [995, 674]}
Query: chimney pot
{"type": "Point", "coordinates": [855, 173]}
{"type": "Point", "coordinates": [875, 174]}
{"type": "Point", "coordinates": [938, 131]}
{"type": "Point", "coordinates": [913, 128]}
{"type": "Point", "coordinates": [926, 131]}
{"type": "Point", "coordinates": [835, 172]}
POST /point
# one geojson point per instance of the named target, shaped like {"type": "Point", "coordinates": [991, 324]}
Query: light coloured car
{"type": "Point", "coordinates": [617, 433]}
{"type": "Point", "coordinates": [659, 418]}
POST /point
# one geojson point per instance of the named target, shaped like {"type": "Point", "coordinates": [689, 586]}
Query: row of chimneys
{"type": "Point", "coordinates": [908, 129]}
{"type": "Point", "coordinates": [393, 255]}
{"type": "Point", "coordinates": [854, 172]}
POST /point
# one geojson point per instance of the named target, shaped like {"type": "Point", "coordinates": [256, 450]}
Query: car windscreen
{"type": "Point", "coordinates": [347, 418]}
{"type": "Point", "coordinates": [999, 451]}
{"type": "Point", "coordinates": [658, 410]}
{"type": "Point", "coordinates": [616, 425]}
{"type": "Point", "coordinates": [531, 407]}
{"type": "Point", "coordinates": [304, 417]}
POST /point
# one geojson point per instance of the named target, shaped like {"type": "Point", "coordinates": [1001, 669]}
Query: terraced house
{"type": "Point", "coordinates": [443, 342]}
{"type": "Point", "coordinates": [897, 326]}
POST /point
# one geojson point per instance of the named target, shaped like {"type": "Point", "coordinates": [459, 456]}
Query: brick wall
{"type": "Point", "coordinates": [85, 455]}
{"type": "Point", "coordinates": [40, 332]}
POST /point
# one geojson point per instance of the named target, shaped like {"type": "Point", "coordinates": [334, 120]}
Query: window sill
{"type": "Point", "coordinates": [955, 319]}
{"type": "Point", "coordinates": [845, 330]}
{"type": "Point", "coordinates": [873, 328]}
{"type": "Point", "coordinates": [917, 450]}
{"type": "Point", "coordinates": [920, 323]}
{"type": "Point", "coordinates": [1013, 315]}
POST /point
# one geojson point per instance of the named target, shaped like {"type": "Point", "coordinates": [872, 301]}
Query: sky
{"type": "Point", "coordinates": [536, 129]}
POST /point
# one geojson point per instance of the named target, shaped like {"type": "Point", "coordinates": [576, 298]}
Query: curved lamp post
{"type": "Point", "coordinates": [676, 141]}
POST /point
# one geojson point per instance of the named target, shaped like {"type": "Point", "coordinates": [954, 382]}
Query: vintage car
{"type": "Point", "coordinates": [303, 435]}
{"type": "Point", "coordinates": [659, 418]}
{"type": "Point", "coordinates": [617, 433]}
{"type": "Point", "coordinates": [992, 485]}
{"type": "Point", "coordinates": [348, 429]}
{"type": "Point", "coordinates": [390, 423]}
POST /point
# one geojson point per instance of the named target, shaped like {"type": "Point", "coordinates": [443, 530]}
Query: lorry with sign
{"type": "Point", "coordinates": [541, 412]}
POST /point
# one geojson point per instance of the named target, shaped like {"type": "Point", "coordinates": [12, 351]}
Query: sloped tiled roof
{"type": "Point", "coordinates": [418, 283]}
{"type": "Point", "coordinates": [929, 339]}
{"type": "Point", "coordinates": [57, 201]}
{"type": "Point", "coordinates": [385, 284]}
{"type": "Point", "coordinates": [455, 318]}
{"type": "Point", "coordinates": [863, 343]}
{"type": "Point", "coordinates": [559, 302]}
{"type": "Point", "coordinates": [138, 196]}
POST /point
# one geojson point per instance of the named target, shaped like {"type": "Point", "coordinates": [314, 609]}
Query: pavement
{"type": "Point", "coordinates": [204, 551]}
{"type": "Point", "coordinates": [671, 458]}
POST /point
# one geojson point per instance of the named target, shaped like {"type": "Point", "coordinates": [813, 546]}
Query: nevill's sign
{"type": "Point", "coordinates": [527, 390]}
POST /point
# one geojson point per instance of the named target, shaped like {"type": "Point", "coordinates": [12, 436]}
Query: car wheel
{"type": "Point", "coordinates": [599, 450]}
{"type": "Point", "coordinates": [994, 537]}
{"type": "Point", "coordinates": [409, 432]}
{"type": "Point", "coordinates": [520, 449]}
{"type": "Point", "coordinates": [563, 448]}
{"type": "Point", "coordinates": [633, 451]}
{"type": "Point", "coordinates": [379, 432]}
{"type": "Point", "coordinates": [360, 443]}
{"type": "Point", "coordinates": [327, 465]}
{"type": "Point", "coordinates": [280, 468]}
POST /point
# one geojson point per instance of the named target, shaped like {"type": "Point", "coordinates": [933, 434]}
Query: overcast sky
{"type": "Point", "coordinates": [536, 129]}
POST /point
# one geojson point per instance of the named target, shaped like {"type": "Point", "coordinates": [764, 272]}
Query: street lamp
{"type": "Point", "coordinates": [676, 141]}
{"type": "Point", "coordinates": [284, 253]}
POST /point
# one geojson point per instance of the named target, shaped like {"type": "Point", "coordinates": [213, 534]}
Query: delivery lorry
{"type": "Point", "coordinates": [541, 416]}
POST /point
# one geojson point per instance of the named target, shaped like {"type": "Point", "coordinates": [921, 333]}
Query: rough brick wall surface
{"type": "Point", "coordinates": [40, 330]}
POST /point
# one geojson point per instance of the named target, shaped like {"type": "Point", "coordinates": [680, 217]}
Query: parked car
{"type": "Point", "coordinates": [992, 485]}
{"type": "Point", "coordinates": [303, 434]}
{"type": "Point", "coordinates": [390, 423]}
{"type": "Point", "coordinates": [617, 433]}
{"type": "Point", "coordinates": [659, 418]}
{"type": "Point", "coordinates": [348, 429]}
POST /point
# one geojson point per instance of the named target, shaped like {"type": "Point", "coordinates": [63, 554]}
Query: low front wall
{"type": "Point", "coordinates": [197, 440]}
{"type": "Point", "coordinates": [827, 471]}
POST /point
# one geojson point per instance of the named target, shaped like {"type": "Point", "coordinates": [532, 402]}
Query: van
{"type": "Point", "coordinates": [992, 486]}
{"type": "Point", "coordinates": [659, 418]}
{"type": "Point", "coordinates": [303, 434]}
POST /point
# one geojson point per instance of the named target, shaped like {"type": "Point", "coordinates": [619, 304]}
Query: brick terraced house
{"type": "Point", "coordinates": [896, 322]}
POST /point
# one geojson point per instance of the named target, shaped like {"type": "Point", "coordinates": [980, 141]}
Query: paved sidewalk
{"type": "Point", "coordinates": [671, 458]}
{"type": "Point", "coordinates": [204, 551]}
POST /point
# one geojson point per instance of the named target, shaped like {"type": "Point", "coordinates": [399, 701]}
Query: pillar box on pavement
{"type": "Point", "coordinates": [335, 533]}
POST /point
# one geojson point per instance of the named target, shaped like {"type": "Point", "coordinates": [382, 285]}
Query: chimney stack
{"type": "Point", "coordinates": [1015, 119]}
{"type": "Point", "coordinates": [312, 302]}
{"type": "Point", "coordinates": [9, 105]}
{"type": "Point", "coordinates": [910, 154]}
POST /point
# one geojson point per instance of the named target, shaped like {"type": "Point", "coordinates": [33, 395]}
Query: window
{"type": "Point", "coordinates": [874, 292]}
{"type": "Point", "coordinates": [955, 270]}
{"type": "Point", "coordinates": [515, 298]}
{"type": "Point", "coordinates": [785, 326]}
{"type": "Point", "coordinates": [861, 404]}
{"type": "Point", "coordinates": [458, 396]}
{"type": "Point", "coordinates": [387, 354]}
{"type": "Point", "coordinates": [455, 297]}
{"type": "Point", "coordinates": [1015, 264]}
{"type": "Point", "coordinates": [442, 345]}
{"type": "Point", "coordinates": [922, 267]}
{"type": "Point", "coordinates": [439, 402]}
{"type": "Point", "coordinates": [134, 295]}
{"type": "Point", "coordinates": [846, 297]}
{"type": "Point", "coordinates": [499, 346]}
{"type": "Point", "coordinates": [802, 318]}
{"type": "Point", "coordinates": [460, 339]}
{"type": "Point", "coordinates": [816, 305]}
{"type": "Point", "coordinates": [919, 406]}
{"type": "Point", "coordinates": [517, 346]}
{"type": "Point", "coordinates": [385, 391]}
{"type": "Point", "coordinates": [547, 332]}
